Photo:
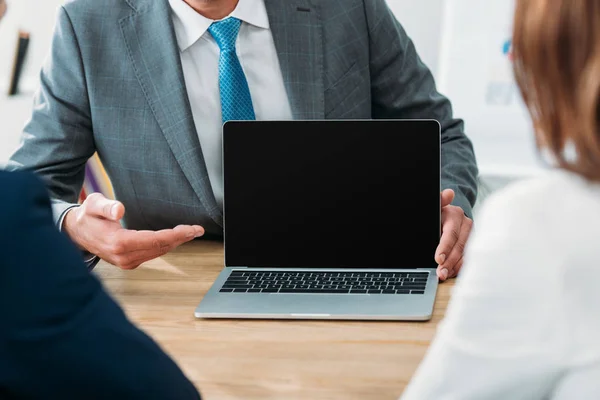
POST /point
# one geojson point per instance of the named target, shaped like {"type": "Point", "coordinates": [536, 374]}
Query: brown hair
{"type": "Point", "coordinates": [556, 52]}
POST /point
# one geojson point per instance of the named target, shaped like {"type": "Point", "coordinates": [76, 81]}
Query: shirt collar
{"type": "Point", "coordinates": [190, 26]}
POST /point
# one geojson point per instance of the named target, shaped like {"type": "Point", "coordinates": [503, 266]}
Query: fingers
{"type": "Point", "coordinates": [125, 241]}
{"type": "Point", "coordinates": [136, 258]}
{"type": "Point", "coordinates": [447, 197]}
{"type": "Point", "coordinates": [443, 273]}
{"type": "Point", "coordinates": [128, 249]}
{"type": "Point", "coordinates": [95, 227]}
{"type": "Point", "coordinates": [452, 219]}
{"type": "Point", "coordinates": [187, 232]}
{"type": "Point", "coordinates": [99, 206]}
{"type": "Point", "coordinates": [456, 255]}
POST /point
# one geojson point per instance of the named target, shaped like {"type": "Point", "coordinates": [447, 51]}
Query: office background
{"type": "Point", "coordinates": [464, 42]}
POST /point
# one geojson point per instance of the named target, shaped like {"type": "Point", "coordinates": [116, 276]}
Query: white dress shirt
{"type": "Point", "coordinates": [200, 61]}
{"type": "Point", "coordinates": [524, 318]}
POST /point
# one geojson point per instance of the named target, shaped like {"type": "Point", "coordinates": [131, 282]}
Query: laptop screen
{"type": "Point", "coordinates": [332, 194]}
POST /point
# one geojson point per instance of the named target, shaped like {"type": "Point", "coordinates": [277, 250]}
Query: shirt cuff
{"type": "Point", "coordinates": [92, 262]}
{"type": "Point", "coordinates": [61, 220]}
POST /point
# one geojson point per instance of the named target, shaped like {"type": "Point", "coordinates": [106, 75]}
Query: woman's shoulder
{"type": "Point", "coordinates": [556, 202]}
{"type": "Point", "coordinates": [556, 210]}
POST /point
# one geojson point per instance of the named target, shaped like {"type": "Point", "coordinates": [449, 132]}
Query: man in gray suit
{"type": "Point", "coordinates": [148, 83]}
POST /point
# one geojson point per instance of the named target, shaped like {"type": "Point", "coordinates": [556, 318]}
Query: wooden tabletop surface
{"type": "Point", "coordinates": [249, 359]}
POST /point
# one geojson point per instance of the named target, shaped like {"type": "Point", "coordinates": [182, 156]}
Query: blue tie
{"type": "Point", "coordinates": [236, 103]}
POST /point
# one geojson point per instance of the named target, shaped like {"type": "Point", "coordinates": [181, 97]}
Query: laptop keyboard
{"type": "Point", "coordinates": [326, 282]}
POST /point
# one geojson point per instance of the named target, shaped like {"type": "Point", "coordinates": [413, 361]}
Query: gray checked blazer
{"type": "Point", "coordinates": [113, 83]}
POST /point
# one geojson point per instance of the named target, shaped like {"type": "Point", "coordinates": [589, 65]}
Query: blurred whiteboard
{"type": "Point", "coordinates": [475, 72]}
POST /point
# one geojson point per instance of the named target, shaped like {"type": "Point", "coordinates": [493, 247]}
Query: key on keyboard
{"type": "Point", "coordinates": [300, 282]}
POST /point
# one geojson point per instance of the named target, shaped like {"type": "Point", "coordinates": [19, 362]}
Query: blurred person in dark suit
{"type": "Point", "coordinates": [61, 335]}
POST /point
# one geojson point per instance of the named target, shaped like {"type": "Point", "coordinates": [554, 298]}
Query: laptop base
{"type": "Point", "coordinates": [317, 306]}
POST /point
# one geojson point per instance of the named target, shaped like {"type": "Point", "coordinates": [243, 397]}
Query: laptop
{"type": "Point", "coordinates": [329, 219]}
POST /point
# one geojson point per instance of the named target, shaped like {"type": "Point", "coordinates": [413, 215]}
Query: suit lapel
{"type": "Point", "coordinates": [153, 50]}
{"type": "Point", "coordinates": [297, 33]}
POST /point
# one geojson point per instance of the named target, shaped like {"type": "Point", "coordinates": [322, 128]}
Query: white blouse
{"type": "Point", "coordinates": [524, 318]}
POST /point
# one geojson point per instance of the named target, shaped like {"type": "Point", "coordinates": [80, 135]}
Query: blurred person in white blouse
{"type": "Point", "coordinates": [524, 318]}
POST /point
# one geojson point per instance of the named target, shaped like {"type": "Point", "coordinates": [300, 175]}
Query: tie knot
{"type": "Point", "coordinates": [225, 32]}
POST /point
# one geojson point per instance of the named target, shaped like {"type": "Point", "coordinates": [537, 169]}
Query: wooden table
{"type": "Point", "coordinates": [249, 359]}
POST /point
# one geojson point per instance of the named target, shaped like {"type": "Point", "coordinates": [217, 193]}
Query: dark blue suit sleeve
{"type": "Point", "coordinates": [61, 335]}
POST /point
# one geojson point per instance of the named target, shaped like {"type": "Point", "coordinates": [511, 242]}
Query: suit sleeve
{"type": "Point", "coordinates": [62, 335]}
{"type": "Point", "coordinates": [403, 87]}
{"type": "Point", "coordinates": [58, 140]}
